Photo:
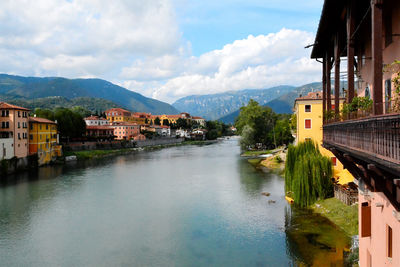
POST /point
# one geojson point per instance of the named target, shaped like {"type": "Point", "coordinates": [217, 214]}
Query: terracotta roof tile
{"type": "Point", "coordinates": [4, 105]}
{"type": "Point", "coordinates": [40, 120]}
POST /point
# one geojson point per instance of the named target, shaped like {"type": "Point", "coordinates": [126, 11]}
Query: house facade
{"type": "Point", "coordinates": [309, 114]}
{"type": "Point", "coordinates": [43, 140]}
{"type": "Point", "coordinates": [366, 34]}
{"type": "Point", "coordinates": [126, 130]}
{"type": "Point", "coordinates": [96, 121]}
{"type": "Point", "coordinates": [14, 130]}
{"type": "Point", "coordinates": [118, 115]}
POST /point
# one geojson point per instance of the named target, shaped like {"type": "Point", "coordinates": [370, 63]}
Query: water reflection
{"type": "Point", "coordinates": [312, 240]}
{"type": "Point", "coordinates": [174, 207]}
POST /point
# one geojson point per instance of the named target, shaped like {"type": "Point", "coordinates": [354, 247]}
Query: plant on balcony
{"type": "Point", "coordinates": [359, 106]}
{"type": "Point", "coordinates": [395, 66]}
{"type": "Point", "coordinates": [307, 174]}
{"type": "Point", "coordinates": [329, 115]}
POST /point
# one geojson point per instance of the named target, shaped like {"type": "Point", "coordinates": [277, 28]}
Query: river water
{"type": "Point", "coordinates": [180, 206]}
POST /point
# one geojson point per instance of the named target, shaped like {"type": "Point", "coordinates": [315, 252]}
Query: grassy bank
{"type": "Point", "coordinates": [254, 153]}
{"type": "Point", "coordinates": [89, 154]}
{"type": "Point", "coordinates": [345, 217]}
{"type": "Point", "coordinates": [99, 153]}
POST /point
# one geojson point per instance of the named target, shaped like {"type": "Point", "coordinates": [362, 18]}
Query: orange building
{"type": "Point", "coordinates": [14, 124]}
{"type": "Point", "coordinates": [126, 130]}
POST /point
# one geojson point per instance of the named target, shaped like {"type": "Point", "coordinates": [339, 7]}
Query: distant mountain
{"type": "Point", "coordinates": [89, 103]}
{"type": "Point", "coordinates": [281, 104]}
{"type": "Point", "coordinates": [33, 88]}
{"type": "Point", "coordinates": [214, 106]}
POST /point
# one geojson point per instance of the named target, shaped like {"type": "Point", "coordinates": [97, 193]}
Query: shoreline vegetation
{"type": "Point", "coordinates": [101, 153]}
{"type": "Point", "coordinates": [343, 216]}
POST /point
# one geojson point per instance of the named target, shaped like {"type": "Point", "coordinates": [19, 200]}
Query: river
{"type": "Point", "coordinates": [180, 206]}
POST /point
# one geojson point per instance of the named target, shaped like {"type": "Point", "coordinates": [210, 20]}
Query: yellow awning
{"type": "Point", "coordinates": [345, 177]}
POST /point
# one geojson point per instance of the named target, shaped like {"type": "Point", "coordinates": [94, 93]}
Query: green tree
{"type": "Point", "coordinates": [283, 134]}
{"type": "Point", "coordinates": [70, 124]}
{"type": "Point", "coordinates": [166, 122]}
{"type": "Point", "coordinates": [260, 119]}
{"type": "Point", "coordinates": [182, 123]}
{"type": "Point", "coordinates": [157, 121]}
{"type": "Point", "coordinates": [307, 174]}
{"type": "Point", "coordinates": [45, 113]}
{"type": "Point", "coordinates": [247, 138]}
{"type": "Point", "coordinates": [81, 111]}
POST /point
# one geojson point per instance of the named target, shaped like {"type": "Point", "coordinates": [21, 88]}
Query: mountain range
{"type": "Point", "coordinates": [18, 88]}
{"type": "Point", "coordinates": [215, 106]}
{"type": "Point", "coordinates": [281, 104]}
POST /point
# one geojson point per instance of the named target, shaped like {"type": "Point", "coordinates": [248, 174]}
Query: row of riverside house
{"type": "Point", "coordinates": [366, 34]}
{"type": "Point", "coordinates": [121, 124]}
{"type": "Point", "coordinates": [23, 136]}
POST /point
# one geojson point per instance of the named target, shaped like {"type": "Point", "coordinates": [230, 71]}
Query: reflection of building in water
{"type": "Point", "coordinates": [312, 240]}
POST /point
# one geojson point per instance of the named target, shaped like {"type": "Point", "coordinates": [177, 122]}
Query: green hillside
{"type": "Point", "coordinates": [32, 88]}
{"type": "Point", "coordinates": [281, 104]}
{"type": "Point", "coordinates": [89, 103]}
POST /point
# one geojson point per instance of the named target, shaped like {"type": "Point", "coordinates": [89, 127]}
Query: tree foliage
{"type": "Point", "coordinates": [268, 128]}
{"type": "Point", "coordinates": [165, 122]}
{"type": "Point", "coordinates": [70, 123]}
{"type": "Point", "coordinates": [307, 174]}
{"type": "Point", "coordinates": [157, 121]}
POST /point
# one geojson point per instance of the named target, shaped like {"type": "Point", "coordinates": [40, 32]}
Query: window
{"type": "Point", "coordinates": [307, 123]}
{"type": "Point", "coordinates": [19, 113]}
{"type": "Point", "coordinates": [19, 126]}
{"type": "Point", "coordinates": [19, 136]}
{"type": "Point", "coordinates": [47, 126]}
{"type": "Point", "coordinates": [31, 126]}
{"type": "Point", "coordinates": [307, 108]}
{"type": "Point", "coordinates": [333, 161]}
{"type": "Point", "coordinates": [389, 242]}
{"type": "Point", "coordinates": [5, 113]}
{"type": "Point", "coordinates": [31, 137]}
{"type": "Point", "coordinates": [365, 219]}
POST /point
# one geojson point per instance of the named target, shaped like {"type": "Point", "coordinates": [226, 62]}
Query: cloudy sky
{"type": "Point", "coordinates": [165, 49]}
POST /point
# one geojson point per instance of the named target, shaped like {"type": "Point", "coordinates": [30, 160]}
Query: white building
{"type": "Point", "coordinates": [96, 121]}
{"type": "Point", "coordinates": [6, 148]}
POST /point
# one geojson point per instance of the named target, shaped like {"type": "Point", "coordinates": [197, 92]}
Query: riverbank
{"type": "Point", "coordinates": [343, 216]}
{"type": "Point", "coordinates": [100, 153]}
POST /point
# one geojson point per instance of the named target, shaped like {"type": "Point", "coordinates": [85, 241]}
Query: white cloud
{"type": "Point", "coordinates": [68, 37]}
{"type": "Point", "coordinates": [255, 62]}
{"type": "Point", "coordinates": [137, 44]}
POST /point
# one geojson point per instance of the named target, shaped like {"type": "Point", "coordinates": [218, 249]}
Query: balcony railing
{"type": "Point", "coordinates": [377, 136]}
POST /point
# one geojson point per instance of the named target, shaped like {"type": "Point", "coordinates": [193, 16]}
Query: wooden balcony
{"type": "Point", "coordinates": [375, 140]}
{"type": "Point", "coordinates": [370, 149]}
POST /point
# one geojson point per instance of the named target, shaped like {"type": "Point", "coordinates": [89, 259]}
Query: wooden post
{"type": "Point", "coordinates": [350, 53]}
{"type": "Point", "coordinates": [376, 7]}
{"type": "Point", "coordinates": [328, 82]}
{"type": "Point", "coordinates": [323, 88]}
{"type": "Point", "coordinates": [337, 76]}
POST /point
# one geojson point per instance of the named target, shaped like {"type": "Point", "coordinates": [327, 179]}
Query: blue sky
{"type": "Point", "coordinates": [209, 25]}
{"type": "Point", "coordinates": [165, 49]}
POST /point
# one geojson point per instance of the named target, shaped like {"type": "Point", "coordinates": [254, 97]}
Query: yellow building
{"type": "Point", "coordinates": [118, 115]}
{"type": "Point", "coordinates": [309, 116]}
{"type": "Point", "coordinates": [43, 140]}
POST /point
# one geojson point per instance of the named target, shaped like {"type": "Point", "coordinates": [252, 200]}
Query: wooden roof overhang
{"type": "Point", "coordinates": [332, 25]}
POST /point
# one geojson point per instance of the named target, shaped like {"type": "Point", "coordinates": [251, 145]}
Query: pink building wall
{"type": "Point", "coordinates": [373, 250]}
{"type": "Point", "coordinates": [390, 54]}
{"type": "Point", "coordinates": [19, 134]}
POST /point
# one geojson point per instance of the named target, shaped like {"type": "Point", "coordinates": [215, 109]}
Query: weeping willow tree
{"type": "Point", "coordinates": [307, 174]}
